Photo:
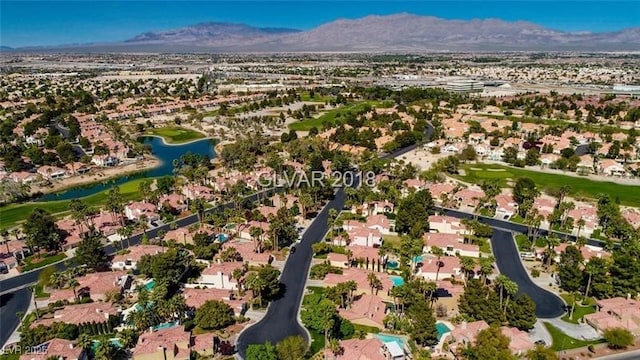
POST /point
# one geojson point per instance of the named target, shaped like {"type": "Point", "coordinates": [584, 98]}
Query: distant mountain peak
{"type": "Point", "coordinates": [208, 31]}
{"type": "Point", "coordinates": [401, 32]}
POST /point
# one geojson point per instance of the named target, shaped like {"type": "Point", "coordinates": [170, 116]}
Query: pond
{"type": "Point", "coordinates": [164, 152]}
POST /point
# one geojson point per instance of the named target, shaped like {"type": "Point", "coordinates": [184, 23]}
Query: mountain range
{"type": "Point", "coordinates": [392, 33]}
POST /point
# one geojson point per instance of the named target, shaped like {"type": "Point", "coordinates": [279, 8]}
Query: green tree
{"type": "Point", "coordinates": [41, 231]}
{"type": "Point", "coordinates": [413, 213]}
{"type": "Point", "coordinates": [597, 279]}
{"type": "Point", "coordinates": [540, 352]}
{"type": "Point", "coordinates": [197, 207]}
{"type": "Point", "coordinates": [524, 190]}
{"type": "Point", "coordinates": [625, 269]}
{"type": "Point", "coordinates": [90, 252]}
{"type": "Point", "coordinates": [423, 324]}
{"type": "Point", "coordinates": [490, 344]}
{"type": "Point", "coordinates": [115, 203]}
{"type": "Point", "coordinates": [521, 313]}
{"type": "Point", "coordinates": [291, 348]}
{"type": "Point", "coordinates": [213, 315]}
{"type": "Point", "coordinates": [261, 352]}
{"type": "Point", "coordinates": [618, 338]}
{"type": "Point", "coordinates": [569, 267]}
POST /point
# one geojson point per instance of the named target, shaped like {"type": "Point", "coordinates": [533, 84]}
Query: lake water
{"type": "Point", "coordinates": [165, 153]}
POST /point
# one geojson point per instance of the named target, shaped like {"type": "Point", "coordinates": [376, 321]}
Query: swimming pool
{"type": "Point", "coordinates": [115, 341]}
{"type": "Point", "coordinates": [391, 264]}
{"type": "Point", "coordinates": [442, 329]}
{"type": "Point", "coordinates": [165, 325]}
{"type": "Point", "coordinates": [222, 237]}
{"type": "Point", "coordinates": [150, 284]}
{"type": "Point", "coordinates": [417, 259]}
{"type": "Point", "coordinates": [397, 280]}
{"type": "Point", "coordinates": [390, 338]}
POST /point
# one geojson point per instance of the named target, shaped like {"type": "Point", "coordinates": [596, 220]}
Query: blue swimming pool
{"type": "Point", "coordinates": [417, 259]}
{"type": "Point", "coordinates": [150, 285]}
{"type": "Point", "coordinates": [222, 237]}
{"type": "Point", "coordinates": [442, 329]}
{"type": "Point", "coordinates": [390, 338]}
{"type": "Point", "coordinates": [165, 325]}
{"type": "Point", "coordinates": [397, 280]}
{"type": "Point", "coordinates": [115, 341]}
{"type": "Point", "coordinates": [392, 264]}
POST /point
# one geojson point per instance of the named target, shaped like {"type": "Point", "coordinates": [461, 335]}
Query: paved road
{"type": "Point", "coordinates": [548, 305]}
{"type": "Point", "coordinates": [10, 305]}
{"type": "Point", "coordinates": [629, 355]}
{"type": "Point", "coordinates": [281, 319]}
{"type": "Point", "coordinates": [13, 289]}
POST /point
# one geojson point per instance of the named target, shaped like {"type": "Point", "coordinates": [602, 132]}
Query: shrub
{"type": "Point", "coordinates": [618, 338]}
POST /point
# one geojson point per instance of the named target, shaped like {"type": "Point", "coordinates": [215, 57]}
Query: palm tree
{"type": "Point", "coordinates": [563, 192]}
{"type": "Point", "coordinates": [467, 265]}
{"type": "Point", "coordinates": [552, 241]}
{"type": "Point", "coordinates": [511, 288]}
{"type": "Point", "coordinates": [197, 207]}
{"type": "Point", "coordinates": [331, 219]}
{"type": "Point", "coordinates": [500, 283]}
{"type": "Point", "coordinates": [237, 275]}
{"type": "Point", "coordinates": [106, 350]}
{"type": "Point", "coordinates": [256, 233]}
{"type": "Point", "coordinates": [374, 282]}
{"type": "Point", "coordinates": [143, 222]}
{"type": "Point", "coordinates": [439, 253]}
{"type": "Point", "coordinates": [306, 202]}
{"type": "Point", "coordinates": [486, 267]}
{"type": "Point", "coordinates": [125, 232]}
{"type": "Point", "coordinates": [327, 325]}
{"type": "Point", "coordinates": [84, 342]}
{"type": "Point", "coordinates": [73, 284]}
{"type": "Point", "coordinates": [580, 224]}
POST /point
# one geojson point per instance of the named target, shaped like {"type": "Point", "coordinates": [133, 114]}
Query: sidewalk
{"type": "Point", "coordinates": [577, 331]}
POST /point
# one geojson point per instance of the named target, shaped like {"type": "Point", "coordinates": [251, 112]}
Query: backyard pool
{"type": "Point", "coordinates": [392, 264]}
{"type": "Point", "coordinates": [150, 284]}
{"type": "Point", "coordinates": [165, 325]}
{"type": "Point", "coordinates": [390, 338]}
{"type": "Point", "coordinates": [397, 280]}
{"type": "Point", "coordinates": [442, 329]}
{"type": "Point", "coordinates": [115, 341]}
{"type": "Point", "coordinates": [417, 259]}
{"type": "Point", "coordinates": [222, 237]}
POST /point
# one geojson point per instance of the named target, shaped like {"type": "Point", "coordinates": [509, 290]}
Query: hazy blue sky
{"type": "Point", "coordinates": [26, 22]}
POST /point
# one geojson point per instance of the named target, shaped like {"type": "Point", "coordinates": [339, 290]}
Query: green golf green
{"type": "Point", "coordinates": [581, 187]}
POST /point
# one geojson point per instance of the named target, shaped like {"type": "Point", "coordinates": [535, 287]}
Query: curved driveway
{"type": "Point", "coordinates": [548, 305]}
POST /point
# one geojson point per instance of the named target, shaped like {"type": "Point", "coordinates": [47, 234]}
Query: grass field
{"type": "Point", "coordinates": [14, 214]}
{"type": "Point", "coordinates": [175, 134]}
{"type": "Point", "coordinates": [33, 262]}
{"type": "Point", "coordinates": [562, 341]}
{"type": "Point", "coordinates": [304, 96]}
{"type": "Point", "coordinates": [580, 187]}
{"type": "Point", "coordinates": [330, 116]}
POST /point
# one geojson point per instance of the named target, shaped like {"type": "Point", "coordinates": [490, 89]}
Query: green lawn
{"type": "Point", "coordinates": [523, 242]}
{"type": "Point", "coordinates": [304, 96]}
{"type": "Point", "coordinates": [562, 341]}
{"type": "Point", "coordinates": [10, 356]}
{"type": "Point", "coordinates": [176, 134]}
{"type": "Point", "coordinates": [329, 116]}
{"type": "Point", "coordinates": [12, 215]}
{"type": "Point", "coordinates": [476, 173]}
{"type": "Point", "coordinates": [33, 262]}
{"type": "Point", "coordinates": [578, 313]}
{"type": "Point", "coordinates": [39, 290]}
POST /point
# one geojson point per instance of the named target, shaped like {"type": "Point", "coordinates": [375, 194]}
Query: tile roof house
{"type": "Point", "coordinates": [129, 260]}
{"type": "Point", "coordinates": [172, 343]}
{"type": "Point", "coordinates": [97, 312]}
{"type": "Point", "coordinates": [449, 268]}
{"type": "Point", "coordinates": [451, 244]}
{"type": "Point", "coordinates": [95, 285]}
{"type": "Point", "coordinates": [56, 348]}
{"type": "Point", "coordinates": [466, 333]}
{"type": "Point", "coordinates": [447, 225]}
{"type": "Point", "coordinates": [195, 298]}
{"type": "Point", "coordinates": [368, 310]}
{"type": "Point", "coordinates": [365, 349]}
{"type": "Point", "coordinates": [360, 276]}
{"type": "Point", "coordinates": [134, 210]}
{"type": "Point", "coordinates": [220, 275]}
{"type": "Point", "coordinates": [616, 313]}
